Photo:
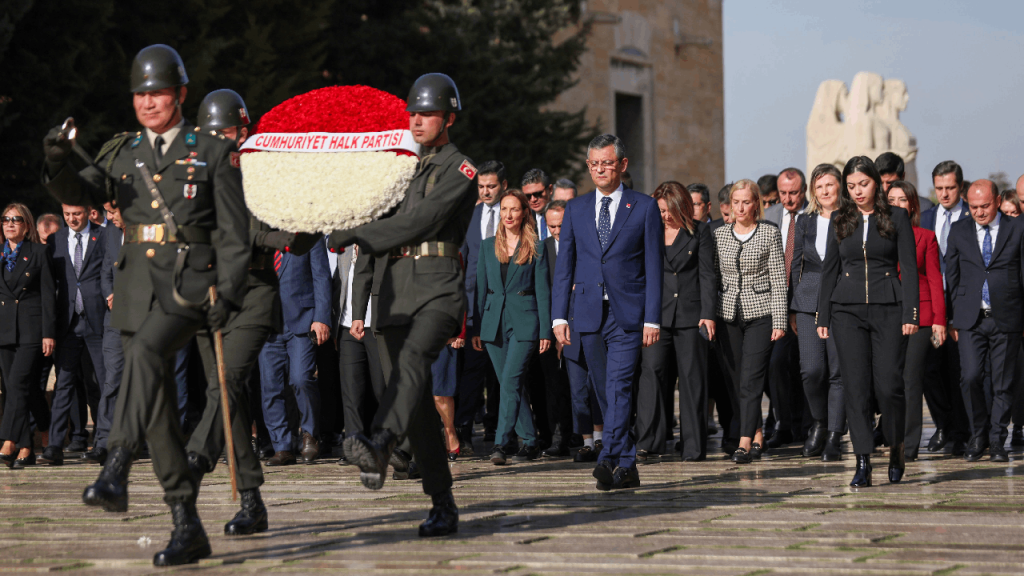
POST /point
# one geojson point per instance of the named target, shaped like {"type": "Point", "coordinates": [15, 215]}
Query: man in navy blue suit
{"type": "Point", "coordinates": [477, 370]}
{"type": "Point", "coordinates": [945, 402]}
{"type": "Point", "coordinates": [610, 261]}
{"type": "Point", "coordinates": [77, 253]}
{"type": "Point", "coordinates": [291, 355]}
{"type": "Point", "coordinates": [984, 260]}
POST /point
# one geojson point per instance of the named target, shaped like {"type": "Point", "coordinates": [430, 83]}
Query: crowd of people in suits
{"type": "Point", "coordinates": [572, 346]}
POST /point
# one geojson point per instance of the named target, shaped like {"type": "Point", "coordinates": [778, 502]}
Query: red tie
{"type": "Point", "coordinates": [790, 238]}
{"type": "Point", "coordinates": [277, 262]}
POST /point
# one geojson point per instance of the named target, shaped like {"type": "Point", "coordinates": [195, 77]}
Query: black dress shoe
{"type": "Point", "coordinates": [625, 478]}
{"type": "Point", "coordinates": [816, 438]}
{"type": "Point", "coordinates": [897, 463]}
{"type": "Point", "coordinates": [1017, 438]}
{"type": "Point", "coordinates": [641, 455]}
{"type": "Point", "coordinates": [411, 473]}
{"type": "Point", "coordinates": [188, 542]}
{"type": "Point", "coordinates": [975, 449]}
{"type": "Point", "coordinates": [585, 454]}
{"type": "Point", "coordinates": [558, 449]}
{"type": "Point", "coordinates": [110, 490]}
{"type": "Point", "coordinates": [527, 453]}
{"type": "Point", "coordinates": [252, 518]}
{"type": "Point", "coordinates": [498, 457]}
{"type": "Point", "coordinates": [371, 456]}
{"type": "Point", "coordinates": [96, 455]}
{"type": "Point", "coordinates": [998, 454]}
{"type": "Point", "coordinates": [310, 448]}
{"type": "Point", "coordinates": [694, 458]}
{"type": "Point", "coordinates": [959, 448]}
{"type": "Point", "coordinates": [741, 456]}
{"type": "Point", "coordinates": [76, 447]}
{"type": "Point", "coordinates": [756, 451]}
{"type": "Point", "coordinates": [400, 461]}
{"type": "Point", "coordinates": [938, 441]}
{"type": "Point", "coordinates": [8, 459]}
{"type": "Point", "coordinates": [833, 451]}
{"type": "Point", "coordinates": [879, 435]}
{"type": "Point", "coordinates": [52, 455]}
{"type": "Point", "coordinates": [465, 434]}
{"type": "Point", "coordinates": [605, 475]}
{"type": "Point", "coordinates": [444, 516]}
{"type": "Point", "coordinates": [862, 478]}
{"type": "Point", "coordinates": [282, 458]}
{"type": "Point", "coordinates": [598, 446]}
{"type": "Point", "coordinates": [21, 463]}
{"type": "Point", "coordinates": [780, 439]}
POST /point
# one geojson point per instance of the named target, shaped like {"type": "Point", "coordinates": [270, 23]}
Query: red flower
{"type": "Point", "coordinates": [337, 109]}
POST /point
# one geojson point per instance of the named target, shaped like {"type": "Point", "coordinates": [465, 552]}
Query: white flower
{"type": "Point", "coordinates": [321, 192]}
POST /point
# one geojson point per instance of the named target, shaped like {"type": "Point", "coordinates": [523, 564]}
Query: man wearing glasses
{"type": "Point", "coordinates": [536, 185]}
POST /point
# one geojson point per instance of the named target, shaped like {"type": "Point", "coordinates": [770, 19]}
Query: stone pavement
{"type": "Point", "coordinates": [782, 515]}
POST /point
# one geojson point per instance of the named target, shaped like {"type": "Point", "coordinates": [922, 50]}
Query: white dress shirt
{"type": "Point", "coordinates": [616, 197]}
{"type": "Point", "coordinates": [993, 228]}
{"type": "Point", "coordinates": [940, 221]}
{"type": "Point", "coordinates": [485, 214]}
{"type": "Point", "coordinates": [821, 240]}
{"type": "Point", "coordinates": [169, 136]}
{"type": "Point", "coordinates": [346, 319]}
{"type": "Point", "coordinates": [85, 241]}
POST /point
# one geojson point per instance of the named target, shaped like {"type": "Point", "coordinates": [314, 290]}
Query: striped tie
{"type": "Point", "coordinates": [277, 261]}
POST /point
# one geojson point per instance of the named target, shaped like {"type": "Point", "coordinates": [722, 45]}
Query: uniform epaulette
{"type": "Point", "coordinates": [115, 144]}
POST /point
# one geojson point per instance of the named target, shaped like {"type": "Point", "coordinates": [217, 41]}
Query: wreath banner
{"type": "Point", "coordinates": [333, 142]}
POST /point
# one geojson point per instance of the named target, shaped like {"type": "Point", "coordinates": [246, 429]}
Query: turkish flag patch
{"type": "Point", "coordinates": [236, 159]}
{"type": "Point", "coordinates": [467, 169]}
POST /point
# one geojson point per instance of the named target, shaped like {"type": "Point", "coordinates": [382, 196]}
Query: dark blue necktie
{"type": "Point", "coordinates": [986, 254]}
{"type": "Point", "coordinates": [604, 223]}
{"type": "Point", "coordinates": [79, 305]}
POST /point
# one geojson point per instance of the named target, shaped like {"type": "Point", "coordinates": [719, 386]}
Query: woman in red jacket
{"type": "Point", "coordinates": [932, 311]}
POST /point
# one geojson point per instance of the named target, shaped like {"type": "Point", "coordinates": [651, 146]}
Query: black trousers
{"type": "Point", "coordinates": [718, 390]}
{"type": "Point", "coordinates": [113, 368]}
{"type": "Point", "coordinates": [745, 349]}
{"type": "Point", "coordinates": [819, 367]}
{"type": "Point", "coordinates": [872, 354]}
{"type": "Point", "coordinates": [1017, 412]}
{"type": "Point", "coordinates": [69, 394]}
{"type": "Point", "coordinates": [19, 368]}
{"type": "Point", "coordinates": [477, 375]}
{"type": "Point", "coordinates": [985, 350]}
{"type": "Point", "coordinates": [945, 401]}
{"type": "Point", "coordinates": [328, 382]}
{"type": "Point", "coordinates": [536, 387]}
{"type": "Point", "coordinates": [362, 380]}
{"type": "Point", "coordinates": [242, 345]}
{"type": "Point", "coordinates": [147, 404]}
{"type": "Point", "coordinates": [557, 396]}
{"type": "Point", "coordinates": [919, 348]}
{"type": "Point", "coordinates": [407, 406]}
{"type": "Point", "coordinates": [784, 383]}
{"type": "Point", "coordinates": [679, 352]}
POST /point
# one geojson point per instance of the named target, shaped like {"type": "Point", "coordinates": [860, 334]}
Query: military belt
{"type": "Point", "coordinates": [440, 249]}
{"type": "Point", "coordinates": [158, 234]}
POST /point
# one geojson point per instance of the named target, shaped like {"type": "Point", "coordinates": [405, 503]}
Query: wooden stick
{"type": "Point", "coordinates": [218, 350]}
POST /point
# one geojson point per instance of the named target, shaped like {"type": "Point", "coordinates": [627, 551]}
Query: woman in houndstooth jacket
{"type": "Point", "coordinates": [752, 280]}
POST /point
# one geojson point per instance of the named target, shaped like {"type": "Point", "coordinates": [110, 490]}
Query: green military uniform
{"type": "Point", "coordinates": [421, 298]}
{"type": "Point", "coordinates": [203, 189]}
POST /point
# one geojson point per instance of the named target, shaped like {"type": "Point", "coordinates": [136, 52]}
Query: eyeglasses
{"type": "Point", "coordinates": [535, 195]}
{"type": "Point", "coordinates": [604, 164]}
{"type": "Point", "coordinates": [17, 219]}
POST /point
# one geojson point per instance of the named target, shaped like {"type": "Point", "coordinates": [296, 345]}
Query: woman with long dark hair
{"type": "Point", "coordinates": [689, 295]}
{"type": "Point", "coordinates": [28, 315]}
{"type": "Point", "coordinates": [870, 310]}
{"type": "Point", "coordinates": [751, 273]}
{"type": "Point", "coordinates": [513, 293]}
{"type": "Point", "coordinates": [819, 360]}
{"type": "Point", "coordinates": [932, 314]}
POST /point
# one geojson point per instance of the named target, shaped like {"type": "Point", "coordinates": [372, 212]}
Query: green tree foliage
{"type": "Point", "coordinates": [72, 58]}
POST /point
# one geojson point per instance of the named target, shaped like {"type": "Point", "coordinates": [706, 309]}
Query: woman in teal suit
{"type": "Point", "coordinates": [513, 293]}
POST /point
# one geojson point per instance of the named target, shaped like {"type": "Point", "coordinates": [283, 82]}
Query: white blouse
{"type": "Point", "coordinates": [821, 240]}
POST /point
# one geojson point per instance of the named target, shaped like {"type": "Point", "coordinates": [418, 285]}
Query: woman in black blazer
{"type": "Point", "coordinates": [689, 295]}
{"type": "Point", "coordinates": [819, 360]}
{"type": "Point", "coordinates": [28, 305]}
{"type": "Point", "coordinates": [870, 310]}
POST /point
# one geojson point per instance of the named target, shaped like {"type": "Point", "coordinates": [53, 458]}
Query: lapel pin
{"type": "Point", "coordinates": [629, 205]}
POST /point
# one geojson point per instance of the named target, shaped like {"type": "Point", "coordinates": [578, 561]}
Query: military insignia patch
{"type": "Point", "coordinates": [190, 139]}
{"type": "Point", "coordinates": [467, 169]}
{"type": "Point", "coordinates": [243, 115]}
{"type": "Point", "coordinates": [236, 159]}
{"type": "Point", "coordinates": [137, 141]}
{"type": "Point", "coordinates": [190, 191]}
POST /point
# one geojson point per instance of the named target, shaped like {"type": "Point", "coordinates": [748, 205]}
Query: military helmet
{"type": "Point", "coordinates": [222, 109]}
{"type": "Point", "coordinates": [157, 67]}
{"type": "Point", "coordinates": [434, 91]}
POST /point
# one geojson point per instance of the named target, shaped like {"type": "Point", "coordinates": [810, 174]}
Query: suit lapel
{"type": "Point", "coordinates": [1004, 226]}
{"type": "Point", "coordinates": [683, 239]}
{"type": "Point", "coordinates": [513, 268]}
{"type": "Point", "coordinates": [20, 266]}
{"type": "Point", "coordinates": [625, 207]}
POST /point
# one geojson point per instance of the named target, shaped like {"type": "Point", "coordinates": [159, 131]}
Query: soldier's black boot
{"type": "Point", "coordinates": [252, 518]}
{"type": "Point", "coordinates": [443, 518]}
{"type": "Point", "coordinates": [897, 462]}
{"type": "Point", "coordinates": [371, 455]}
{"type": "Point", "coordinates": [402, 463]}
{"type": "Point", "coordinates": [188, 539]}
{"type": "Point", "coordinates": [110, 490]}
{"type": "Point", "coordinates": [198, 465]}
{"type": "Point", "coordinates": [862, 479]}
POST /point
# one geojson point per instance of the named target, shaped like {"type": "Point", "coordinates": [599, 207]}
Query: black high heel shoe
{"type": "Point", "coordinates": [21, 463]}
{"type": "Point", "coordinates": [862, 479]}
{"type": "Point", "coordinates": [8, 459]}
{"type": "Point", "coordinates": [897, 463]}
